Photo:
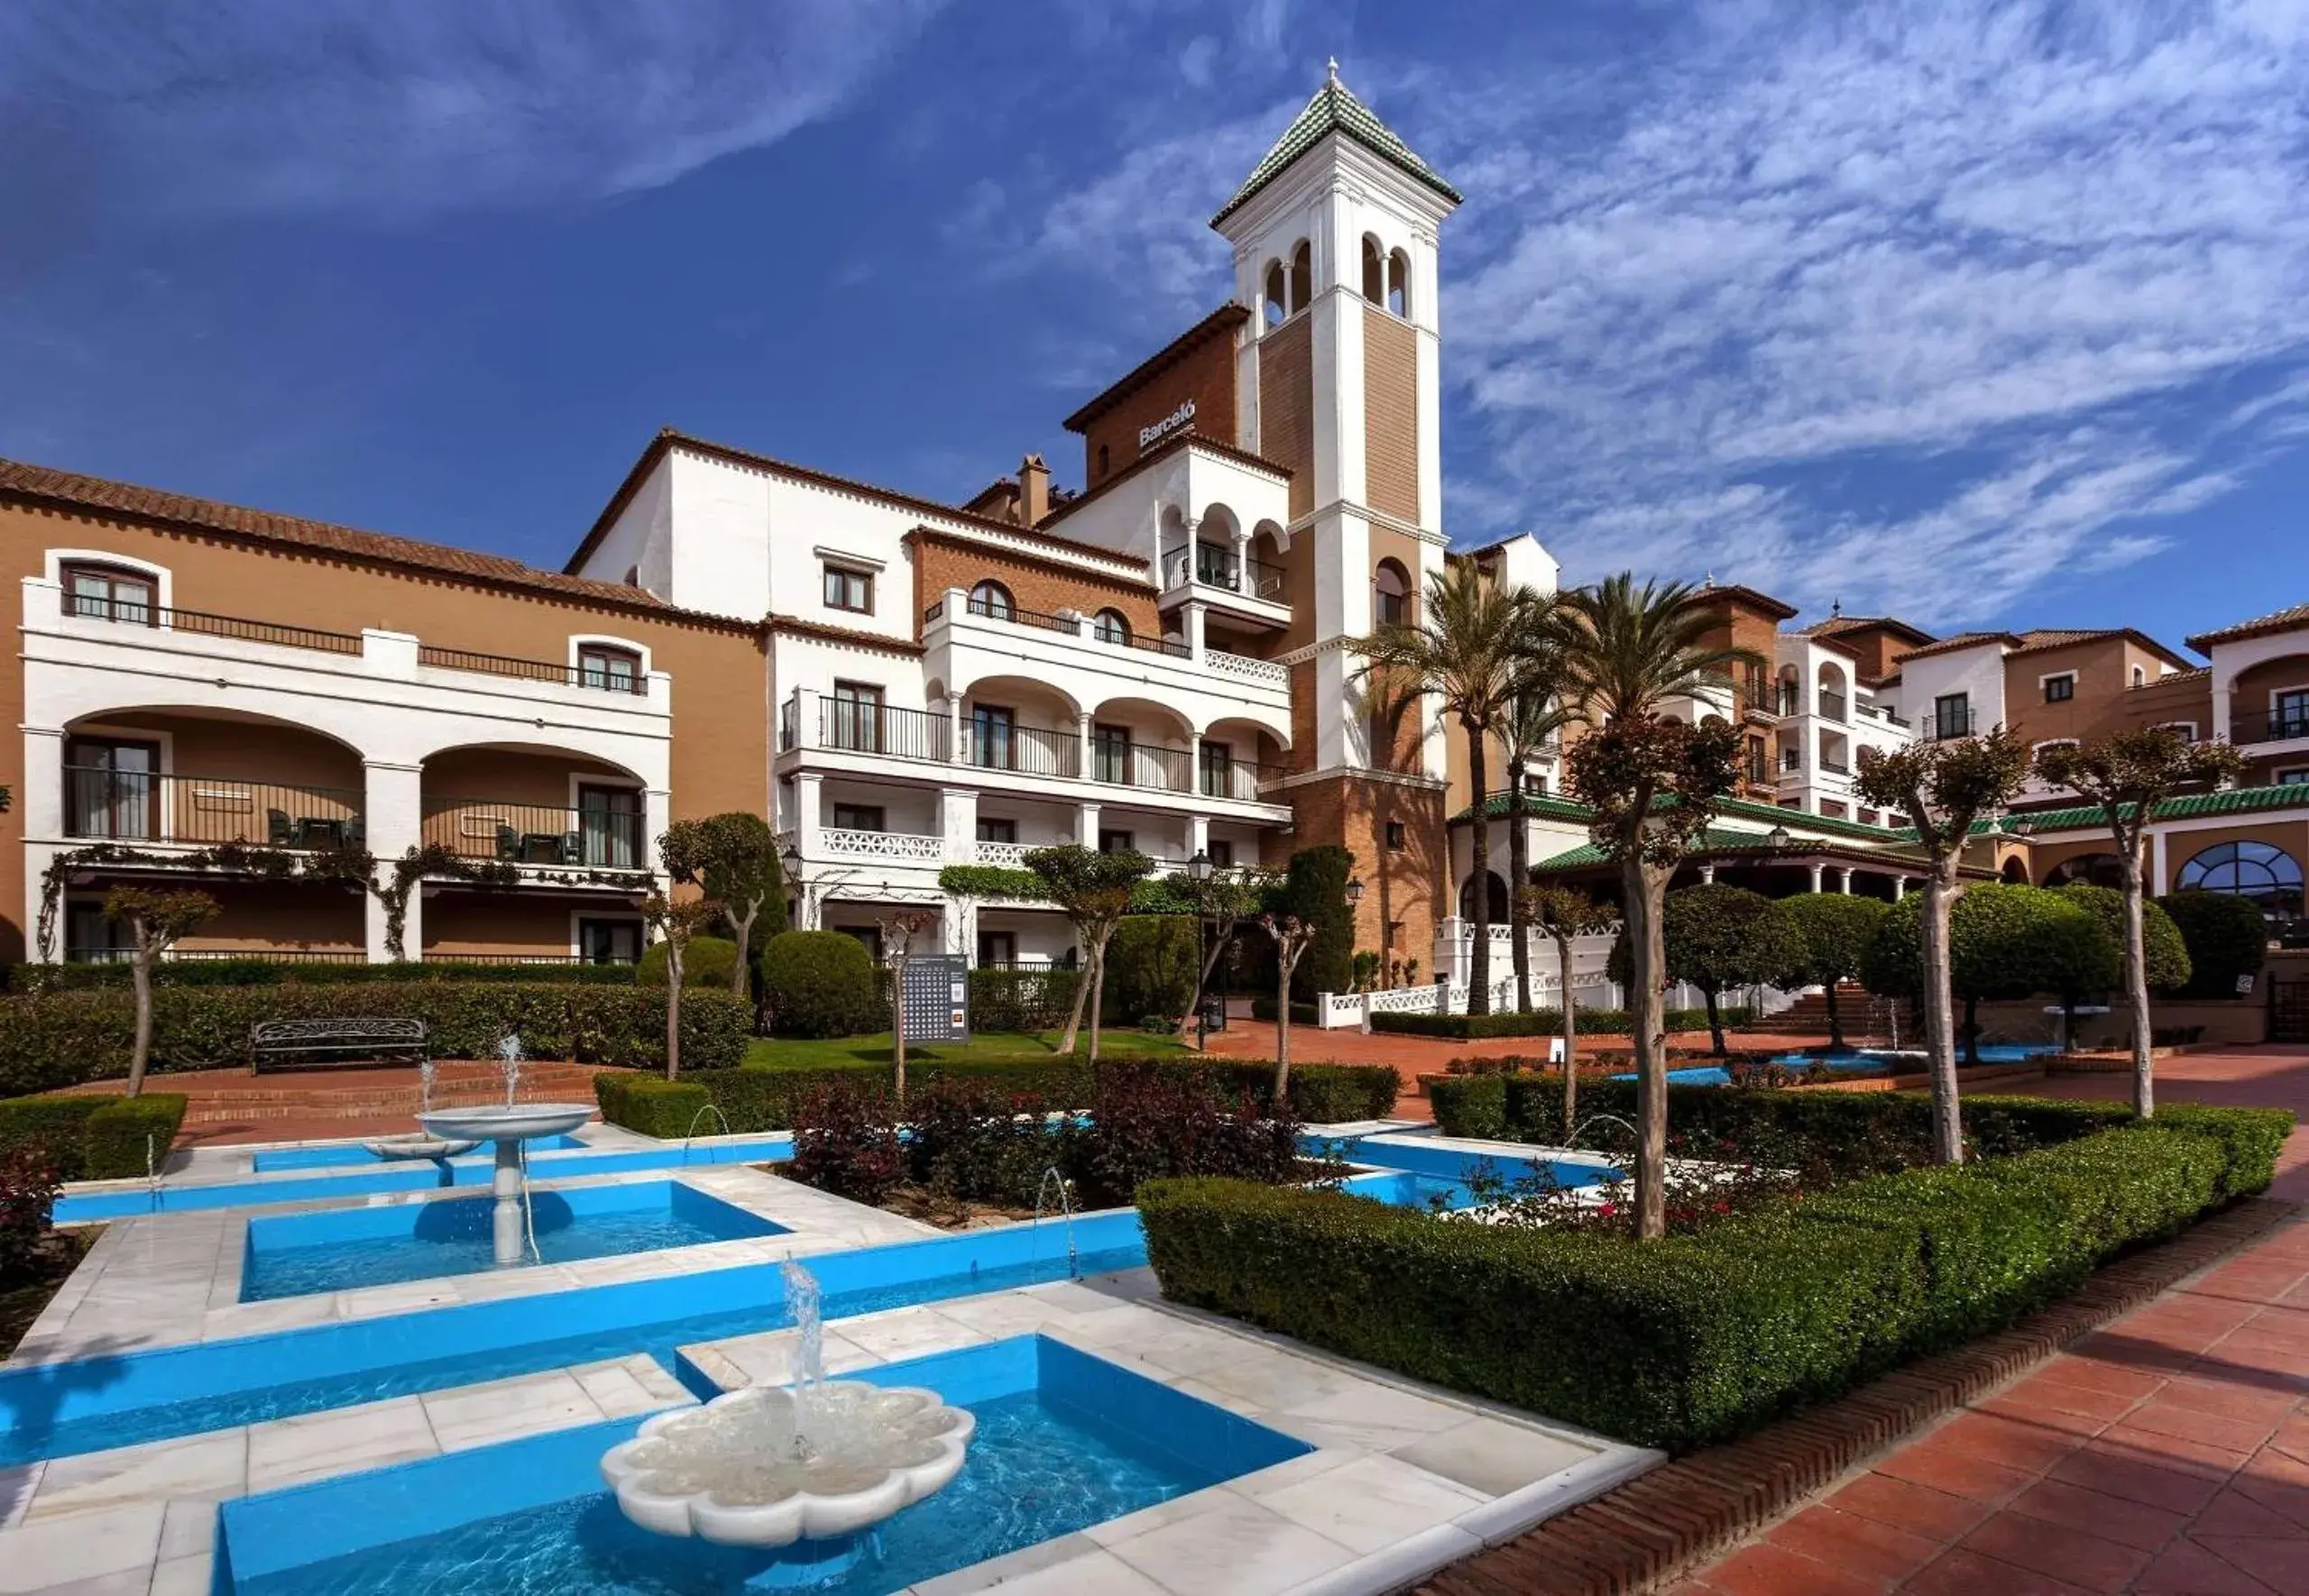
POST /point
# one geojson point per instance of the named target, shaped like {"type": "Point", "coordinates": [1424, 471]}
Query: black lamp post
{"type": "Point", "coordinates": [792, 859]}
{"type": "Point", "coordinates": [1198, 872]}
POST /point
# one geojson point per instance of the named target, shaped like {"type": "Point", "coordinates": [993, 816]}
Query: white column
{"type": "Point", "coordinates": [40, 801]}
{"type": "Point", "coordinates": [393, 820]}
{"type": "Point", "coordinates": [1198, 834]}
{"type": "Point", "coordinates": [809, 814]}
{"type": "Point", "coordinates": [956, 745]}
{"type": "Point", "coordinates": [2160, 882]}
{"type": "Point", "coordinates": [1844, 879]}
{"type": "Point", "coordinates": [958, 823]}
{"type": "Point", "coordinates": [2222, 685]}
{"type": "Point", "coordinates": [1707, 874]}
{"type": "Point", "coordinates": [657, 814]}
{"type": "Point", "coordinates": [1088, 767]}
{"type": "Point", "coordinates": [805, 717]}
{"type": "Point", "coordinates": [1086, 824]}
{"type": "Point", "coordinates": [1814, 868]}
{"type": "Point", "coordinates": [1899, 887]}
{"type": "Point", "coordinates": [1194, 628]}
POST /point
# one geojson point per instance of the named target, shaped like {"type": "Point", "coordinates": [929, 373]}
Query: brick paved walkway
{"type": "Point", "coordinates": [224, 1107]}
{"type": "Point", "coordinates": [2168, 1453]}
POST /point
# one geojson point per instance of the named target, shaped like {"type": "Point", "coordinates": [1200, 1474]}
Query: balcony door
{"type": "Point", "coordinates": [2289, 714]}
{"type": "Point", "coordinates": [1216, 759]}
{"type": "Point", "coordinates": [992, 744]}
{"type": "Point", "coordinates": [609, 819]}
{"type": "Point", "coordinates": [1110, 754]}
{"type": "Point", "coordinates": [857, 716]}
{"type": "Point", "coordinates": [112, 788]}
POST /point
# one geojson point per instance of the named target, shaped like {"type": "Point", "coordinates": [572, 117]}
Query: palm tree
{"type": "Point", "coordinates": [1629, 650]}
{"type": "Point", "coordinates": [1535, 714]}
{"type": "Point", "coordinates": [1469, 642]}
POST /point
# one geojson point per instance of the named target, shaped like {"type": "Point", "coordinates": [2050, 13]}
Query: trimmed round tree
{"type": "Point", "coordinates": [2006, 942]}
{"type": "Point", "coordinates": [1719, 937]}
{"type": "Point", "coordinates": [2226, 936]}
{"type": "Point", "coordinates": [819, 984]}
{"type": "Point", "coordinates": [1833, 931]}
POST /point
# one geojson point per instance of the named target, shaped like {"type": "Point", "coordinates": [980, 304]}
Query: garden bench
{"type": "Point", "coordinates": [289, 1044]}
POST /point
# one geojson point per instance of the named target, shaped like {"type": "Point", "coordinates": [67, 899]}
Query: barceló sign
{"type": "Point", "coordinates": [1167, 425]}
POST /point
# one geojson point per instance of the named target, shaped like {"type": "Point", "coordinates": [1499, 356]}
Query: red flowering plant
{"type": "Point", "coordinates": [846, 1141]}
{"type": "Point", "coordinates": [28, 1193]}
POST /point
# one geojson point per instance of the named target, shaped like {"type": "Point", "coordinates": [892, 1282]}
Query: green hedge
{"type": "Point", "coordinates": [1301, 1013]}
{"type": "Point", "coordinates": [66, 1038]}
{"type": "Point", "coordinates": [708, 962]}
{"type": "Point", "coordinates": [1021, 1000]}
{"type": "Point", "coordinates": [1473, 1105]}
{"type": "Point", "coordinates": [1595, 1021]}
{"type": "Point", "coordinates": [1693, 1339]}
{"type": "Point", "coordinates": [758, 1099]}
{"type": "Point", "coordinates": [93, 1138]}
{"type": "Point", "coordinates": [279, 972]}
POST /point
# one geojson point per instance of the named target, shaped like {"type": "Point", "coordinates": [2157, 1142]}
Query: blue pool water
{"type": "Point", "coordinates": [93, 1404]}
{"type": "Point", "coordinates": [295, 1255]}
{"type": "Point", "coordinates": [1065, 1440]}
{"type": "Point", "coordinates": [123, 1199]}
{"type": "Point", "coordinates": [354, 1155]}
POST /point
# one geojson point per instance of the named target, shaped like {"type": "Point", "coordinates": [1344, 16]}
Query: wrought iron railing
{"type": "Point", "coordinates": [1945, 724]}
{"type": "Point", "coordinates": [1236, 778]}
{"type": "Point", "coordinates": [587, 673]}
{"type": "Point", "coordinates": [145, 806]}
{"type": "Point", "coordinates": [1791, 758]}
{"type": "Point", "coordinates": [993, 610]}
{"type": "Point", "coordinates": [1210, 566]}
{"type": "Point", "coordinates": [1030, 751]}
{"type": "Point", "coordinates": [2268, 726]}
{"type": "Point", "coordinates": [1141, 764]}
{"type": "Point", "coordinates": [1833, 705]}
{"type": "Point", "coordinates": [587, 837]}
{"type": "Point", "coordinates": [1834, 765]}
{"type": "Point", "coordinates": [128, 612]}
{"type": "Point", "coordinates": [861, 726]}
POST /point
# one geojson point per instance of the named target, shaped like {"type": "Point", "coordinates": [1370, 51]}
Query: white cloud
{"type": "Point", "coordinates": [410, 108]}
{"type": "Point", "coordinates": [2001, 258]}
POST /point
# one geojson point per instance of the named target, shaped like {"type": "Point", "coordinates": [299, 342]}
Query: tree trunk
{"type": "Point", "coordinates": [897, 1027]}
{"type": "Point", "coordinates": [1098, 994]}
{"type": "Point", "coordinates": [1714, 1021]}
{"type": "Point", "coordinates": [140, 1057]}
{"type": "Point", "coordinates": [1282, 1025]}
{"type": "Point", "coordinates": [1519, 914]}
{"type": "Point", "coordinates": [1074, 1014]}
{"type": "Point", "coordinates": [1648, 1025]}
{"type": "Point", "coordinates": [1479, 844]}
{"type": "Point", "coordinates": [1570, 1046]}
{"type": "Point", "coordinates": [1940, 893]}
{"type": "Point", "coordinates": [1835, 1021]}
{"type": "Point", "coordinates": [672, 1010]}
{"type": "Point", "coordinates": [742, 933]}
{"type": "Point", "coordinates": [2144, 1074]}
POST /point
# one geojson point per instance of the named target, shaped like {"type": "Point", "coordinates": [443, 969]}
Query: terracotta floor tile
{"type": "Point", "coordinates": [1917, 1508]}
{"type": "Point", "coordinates": [2173, 1452]}
{"type": "Point", "coordinates": [1961, 1573]}
{"type": "Point", "coordinates": [2188, 1569]}
{"type": "Point", "coordinates": [2164, 1417]}
{"type": "Point", "coordinates": [2057, 1551]}
{"type": "Point", "coordinates": [2079, 1427]}
{"type": "Point", "coordinates": [1982, 1481]}
{"type": "Point", "coordinates": [2080, 1367]}
{"type": "Point", "coordinates": [1762, 1569]}
{"type": "Point", "coordinates": [1856, 1544]}
{"type": "Point", "coordinates": [2277, 1483]}
{"type": "Point", "coordinates": [2014, 1442]}
{"type": "Point", "coordinates": [2282, 1565]}
{"type": "Point", "coordinates": [2134, 1524]}
{"type": "Point", "coordinates": [2069, 1397]}
{"type": "Point", "coordinates": [2226, 1398]}
{"type": "Point", "coordinates": [2233, 1512]}
{"type": "Point", "coordinates": [2135, 1480]}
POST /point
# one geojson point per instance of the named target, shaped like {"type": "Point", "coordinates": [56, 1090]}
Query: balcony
{"type": "Point", "coordinates": [1949, 724]}
{"type": "Point", "coordinates": [1237, 778]}
{"type": "Point", "coordinates": [515, 833]}
{"type": "Point", "coordinates": [1119, 764]}
{"type": "Point", "coordinates": [593, 674]}
{"type": "Point", "coordinates": [1835, 765]}
{"type": "Point", "coordinates": [1215, 565]}
{"type": "Point", "coordinates": [904, 846]}
{"type": "Point", "coordinates": [205, 811]}
{"type": "Point", "coordinates": [1030, 751]}
{"type": "Point", "coordinates": [1791, 759]}
{"type": "Point", "coordinates": [2268, 726]}
{"type": "Point", "coordinates": [1834, 706]}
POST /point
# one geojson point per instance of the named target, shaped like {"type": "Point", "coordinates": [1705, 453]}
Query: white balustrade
{"type": "Point", "coordinates": [909, 846]}
{"type": "Point", "coordinates": [1012, 854]}
{"type": "Point", "coordinates": [1238, 664]}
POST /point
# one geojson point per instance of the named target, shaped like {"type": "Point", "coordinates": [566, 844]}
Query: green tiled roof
{"type": "Point", "coordinates": [2191, 807]}
{"type": "Point", "coordinates": [1717, 841]}
{"type": "Point", "coordinates": [1335, 110]}
{"type": "Point", "coordinates": [1564, 809]}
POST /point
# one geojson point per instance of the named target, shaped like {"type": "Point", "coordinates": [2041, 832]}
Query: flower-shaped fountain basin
{"type": "Point", "coordinates": [527, 1121]}
{"type": "Point", "coordinates": [731, 1471]}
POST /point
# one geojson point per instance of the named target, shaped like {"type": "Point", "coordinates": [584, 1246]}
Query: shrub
{"type": "Point", "coordinates": [1021, 1000]}
{"type": "Point", "coordinates": [66, 1038]}
{"type": "Point", "coordinates": [27, 1204]}
{"type": "Point", "coordinates": [2251, 1139]}
{"type": "Point", "coordinates": [129, 1137]}
{"type": "Point", "coordinates": [1263, 1007]}
{"type": "Point", "coordinates": [652, 1105]}
{"type": "Point", "coordinates": [708, 963]}
{"type": "Point", "coordinates": [1314, 888]}
{"type": "Point", "coordinates": [1149, 1123]}
{"type": "Point", "coordinates": [1151, 967]}
{"type": "Point", "coordinates": [2168, 952]}
{"type": "Point", "coordinates": [2226, 938]}
{"type": "Point", "coordinates": [976, 1143]}
{"type": "Point", "coordinates": [1471, 1105]}
{"type": "Point", "coordinates": [88, 1137]}
{"type": "Point", "coordinates": [846, 1142]}
{"type": "Point", "coordinates": [1595, 1022]}
{"type": "Point", "coordinates": [819, 984]}
{"type": "Point", "coordinates": [1698, 1337]}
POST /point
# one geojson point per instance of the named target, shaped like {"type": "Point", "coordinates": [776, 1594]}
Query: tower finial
{"type": "Point", "coordinates": [1333, 70]}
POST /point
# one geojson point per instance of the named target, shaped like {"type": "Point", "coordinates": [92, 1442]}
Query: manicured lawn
{"type": "Point", "coordinates": [782, 1054]}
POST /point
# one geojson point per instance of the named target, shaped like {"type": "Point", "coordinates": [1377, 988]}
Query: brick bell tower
{"type": "Point", "coordinates": [1334, 236]}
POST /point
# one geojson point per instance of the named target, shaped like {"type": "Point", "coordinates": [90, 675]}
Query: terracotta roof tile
{"type": "Point", "coordinates": [2277, 620]}
{"type": "Point", "coordinates": [100, 494]}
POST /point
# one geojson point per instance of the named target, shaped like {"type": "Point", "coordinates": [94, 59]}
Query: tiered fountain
{"type": "Point", "coordinates": [507, 1127]}
{"type": "Point", "coordinates": [803, 1472]}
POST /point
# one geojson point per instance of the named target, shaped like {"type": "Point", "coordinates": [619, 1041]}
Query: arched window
{"type": "Point", "coordinates": [1375, 271]}
{"type": "Point", "coordinates": [1391, 594]}
{"type": "Point", "coordinates": [1497, 896]}
{"type": "Point", "coordinates": [110, 593]}
{"type": "Point", "coordinates": [608, 669]}
{"type": "Point", "coordinates": [2094, 869]}
{"type": "Point", "coordinates": [1302, 277]}
{"type": "Point", "coordinates": [1278, 294]}
{"type": "Point", "coordinates": [993, 599]}
{"type": "Point", "coordinates": [1399, 283]}
{"type": "Point", "coordinates": [2140, 675]}
{"type": "Point", "coordinates": [1109, 627]}
{"type": "Point", "coordinates": [2268, 875]}
{"type": "Point", "coordinates": [2016, 870]}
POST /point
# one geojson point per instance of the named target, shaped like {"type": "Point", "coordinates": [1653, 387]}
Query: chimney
{"type": "Point", "coordinates": [1033, 490]}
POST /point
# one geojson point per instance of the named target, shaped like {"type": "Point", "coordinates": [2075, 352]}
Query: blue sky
{"type": "Point", "coordinates": [1980, 314]}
